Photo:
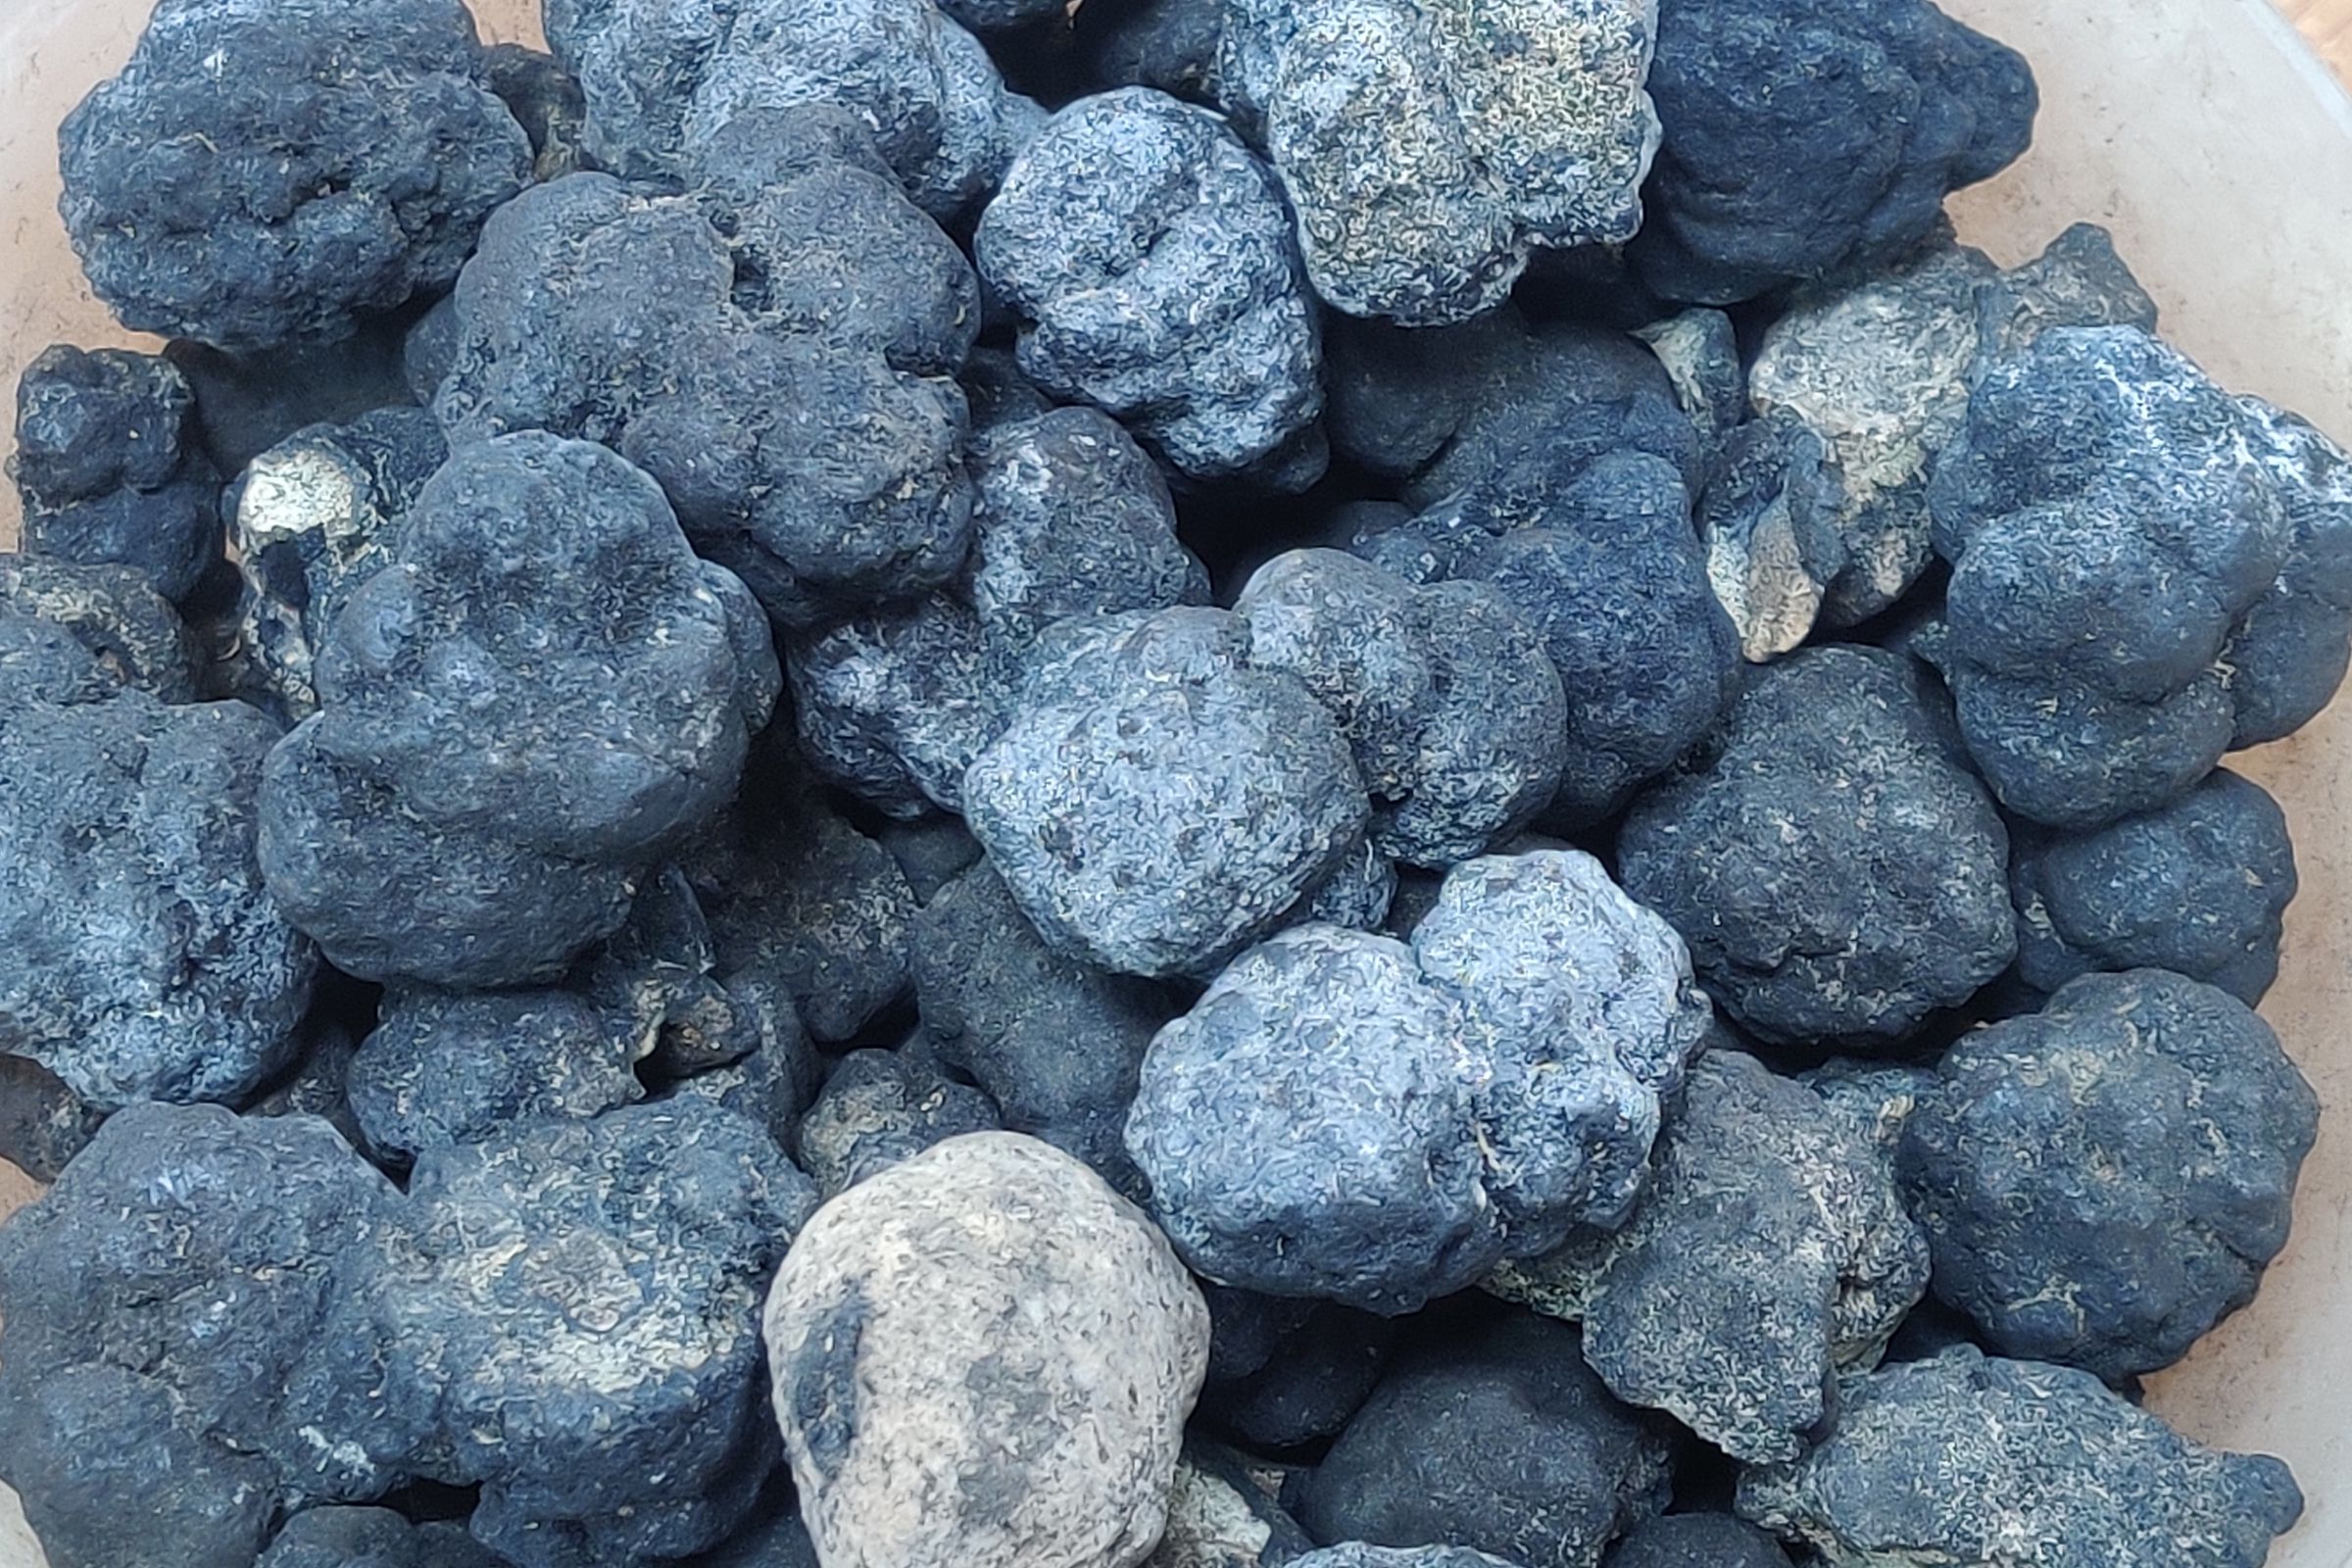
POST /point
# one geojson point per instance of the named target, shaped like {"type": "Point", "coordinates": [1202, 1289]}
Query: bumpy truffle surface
{"type": "Point", "coordinates": [112, 611]}
{"type": "Point", "coordinates": [109, 469]}
{"type": "Point", "coordinates": [166, 1306]}
{"type": "Point", "coordinates": [881, 1109]}
{"type": "Point", "coordinates": [1156, 804]}
{"type": "Point", "coordinates": [1837, 873]}
{"type": "Point", "coordinates": [1307, 1129]}
{"type": "Point", "coordinates": [508, 737]}
{"type": "Point", "coordinates": [1429, 147]}
{"type": "Point", "coordinates": [1502, 1440]}
{"type": "Point", "coordinates": [2104, 1180]}
{"type": "Point", "coordinates": [1962, 1458]}
{"type": "Point", "coordinates": [662, 76]}
{"type": "Point", "coordinates": [2288, 653]}
{"type": "Point", "coordinates": [1053, 1040]}
{"type": "Point", "coordinates": [1150, 259]}
{"type": "Point", "coordinates": [1769, 1250]}
{"type": "Point", "coordinates": [1815, 137]}
{"type": "Point", "coordinates": [342, 1537]}
{"type": "Point", "coordinates": [130, 829]}
{"type": "Point", "coordinates": [1697, 1540]}
{"type": "Point", "coordinates": [984, 1357]}
{"type": "Point", "coordinates": [1357, 1554]}
{"type": "Point", "coordinates": [2112, 517]}
{"type": "Point", "coordinates": [2196, 886]}
{"type": "Point", "coordinates": [560, 1301]}
{"type": "Point", "coordinates": [263, 175]}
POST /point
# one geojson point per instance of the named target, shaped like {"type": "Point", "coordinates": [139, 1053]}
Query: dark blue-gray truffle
{"type": "Point", "coordinates": [2103, 1181]}
{"type": "Point", "coordinates": [255, 177]}
{"type": "Point", "coordinates": [109, 469]}
{"type": "Point", "coordinates": [881, 1108]}
{"type": "Point", "coordinates": [164, 1370]}
{"type": "Point", "coordinates": [664, 77]}
{"type": "Point", "coordinates": [137, 637]}
{"type": "Point", "coordinates": [1837, 872]}
{"type": "Point", "coordinates": [2197, 886]}
{"type": "Point", "coordinates": [1430, 147]}
{"type": "Point", "coordinates": [349, 1537]}
{"type": "Point", "coordinates": [1960, 1457]}
{"type": "Point", "coordinates": [1697, 1540]}
{"type": "Point", "coordinates": [1498, 1439]}
{"type": "Point", "coordinates": [509, 738]}
{"type": "Point", "coordinates": [1157, 805]}
{"type": "Point", "coordinates": [2289, 651]}
{"type": "Point", "coordinates": [141, 956]}
{"type": "Point", "coordinates": [1149, 257]}
{"type": "Point", "coordinates": [1808, 137]}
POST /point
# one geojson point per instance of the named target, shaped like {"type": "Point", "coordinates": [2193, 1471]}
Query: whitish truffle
{"type": "Point", "coordinates": [983, 1356]}
{"type": "Point", "coordinates": [2103, 1181]}
{"type": "Point", "coordinates": [662, 76]}
{"type": "Point", "coordinates": [166, 1308]}
{"type": "Point", "coordinates": [1769, 1252]}
{"type": "Point", "coordinates": [1808, 137]}
{"type": "Point", "coordinates": [262, 174]}
{"type": "Point", "coordinates": [1963, 1457]}
{"type": "Point", "coordinates": [130, 830]}
{"type": "Point", "coordinates": [1149, 257]}
{"type": "Point", "coordinates": [508, 738]}
{"type": "Point", "coordinates": [1156, 804]}
{"type": "Point", "coordinates": [1837, 873]}
{"type": "Point", "coordinates": [562, 1300]}
{"type": "Point", "coordinates": [109, 469]}
{"type": "Point", "coordinates": [2197, 886]}
{"type": "Point", "coordinates": [1429, 147]}
{"type": "Point", "coordinates": [1499, 1439]}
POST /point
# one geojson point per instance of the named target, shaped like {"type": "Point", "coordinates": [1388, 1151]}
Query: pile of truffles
{"type": "Point", "coordinates": [1154, 784]}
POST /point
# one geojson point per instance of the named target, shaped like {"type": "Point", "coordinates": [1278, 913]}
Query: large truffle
{"type": "Point", "coordinates": [2197, 886]}
{"type": "Point", "coordinates": [257, 176]}
{"type": "Point", "coordinates": [1500, 1440]}
{"type": "Point", "coordinates": [1149, 257]}
{"type": "Point", "coordinates": [2104, 1180]}
{"type": "Point", "coordinates": [109, 469]}
{"type": "Point", "coordinates": [508, 736]}
{"type": "Point", "coordinates": [563, 1299]}
{"type": "Point", "coordinates": [166, 1308]}
{"type": "Point", "coordinates": [1837, 873]}
{"type": "Point", "coordinates": [753, 379]}
{"type": "Point", "coordinates": [983, 1356]}
{"type": "Point", "coordinates": [1054, 1040]}
{"type": "Point", "coordinates": [2113, 517]}
{"type": "Point", "coordinates": [1769, 1252]}
{"type": "Point", "coordinates": [1429, 147]}
{"type": "Point", "coordinates": [140, 955]}
{"type": "Point", "coordinates": [1156, 804]}
{"type": "Point", "coordinates": [664, 77]}
{"type": "Point", "coordinates": [1807, 137]}
{"type": "Point", "coordinates": [1963, 1457]}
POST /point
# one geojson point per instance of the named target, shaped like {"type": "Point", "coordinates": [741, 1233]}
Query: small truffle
{"type": "Point", "coordinates": [112, 611]}
{"type": "Point", "coordinates": [983, 1358]}
{"type": "Point", "coordinates": [1697, 1540]}
{"type": "Point", "coordinates": [371, 1538]}
{"type": "Point", "coordinates": [881, 1108]}
{"type": "Point", "coordinates": [1837, 873]}
{"type": "Point", "coordinates": [260, 175]}
{"type": "Point", "coordinates": [1959, 1458]}
{"type": "Point", "coordinates": [2103, 1181]}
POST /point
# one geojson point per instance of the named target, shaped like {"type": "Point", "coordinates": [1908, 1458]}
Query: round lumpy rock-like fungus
{"type": "Point", "coordinates": [1959, 1458]}
{"type": "Point", "coordinates": [1149, 257]}
{"type": "Point", "coordinates": [1837, 872]}
{"type": "Point", "coordinates": [508, 739]}
{"type": "Point", "coordinates": [1430, 147]}
{"type": "Point", "coordinates": [1807, 138]}
{"type": "Point", "coordinates": [2104, 1180]}
{"type": "Point", "coordinates": [263, 175]}
{"type": "Point", "coordinates": [990, 1285]}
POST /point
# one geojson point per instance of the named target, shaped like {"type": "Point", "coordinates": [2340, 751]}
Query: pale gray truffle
{"type": "Point", "coordinates": [1149, 257]}
{"type": "Point", "coordinates": [1429, 147]}
{"type": "Point", "coordinates": [1157, 805]}
{"type": "Point", "coordinates": [989, 1288]}
{"type": "Point", "coordinates": [1769, 1252]}
{"type": "Point", "coordinates": [662, 76]}
{"type": "Point", "coordinates": [1589, 1001]}
{"type": "Point", "coordinates": [2105, 1180]}
{"type": "Point", "coordinates": [1967, 1460]}
{"type": "Point", "coordinates": [1308, 1128]}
